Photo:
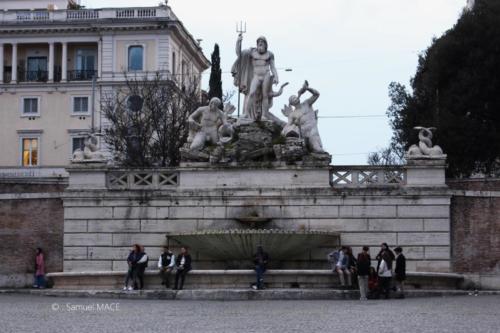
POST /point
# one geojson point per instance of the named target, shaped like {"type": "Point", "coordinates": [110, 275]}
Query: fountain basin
{"type": "Point", "coordinates": [241, 244]}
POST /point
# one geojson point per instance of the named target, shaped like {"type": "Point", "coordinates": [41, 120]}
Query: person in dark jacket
{"type": "Point", "coordinates": [373, 287]}
{"type": "Point", "coordinates": [166, 264]}
{"type": "Point", "coordinates": [183, 263]}
{"type": "Point", "coordinates": [383, 249]}
{"type": "Point", "coordinates": [132, 259]}
{"type": "Point", "coordinates": [142, 263]}
{"type": "Point", "coordinates": [260, 259]}
{"type": "Point", "coordinates": [363, 270]}
{"type": "Point", "coordinates": [400, 272]}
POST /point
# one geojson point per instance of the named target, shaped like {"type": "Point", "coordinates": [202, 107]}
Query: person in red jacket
{"type": "Point", "coordinates": [39, 269]}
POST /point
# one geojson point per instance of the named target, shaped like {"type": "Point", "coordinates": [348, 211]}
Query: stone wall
{"type": "Point", "coordinates": [101, 224]}
{"type": "Point", "coordinates": [31, 216]}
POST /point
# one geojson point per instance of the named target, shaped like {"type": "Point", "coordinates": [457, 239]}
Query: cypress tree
{"type": "Point", "coordinates": [215, 84]}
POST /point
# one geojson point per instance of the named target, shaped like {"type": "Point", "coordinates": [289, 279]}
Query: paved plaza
{"type": "Point", "coordinates": [29, 313]}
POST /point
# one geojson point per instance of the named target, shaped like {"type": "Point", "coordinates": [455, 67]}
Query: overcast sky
{"type": "Point", "coordinates": [349, 50]}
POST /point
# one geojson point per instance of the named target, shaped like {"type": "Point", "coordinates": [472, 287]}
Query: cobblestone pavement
{"type": "Point", "coordinates": [29, 313]}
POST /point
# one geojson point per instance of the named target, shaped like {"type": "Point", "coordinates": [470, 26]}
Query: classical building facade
{"type": "Point", "coordinates": [57, 64]}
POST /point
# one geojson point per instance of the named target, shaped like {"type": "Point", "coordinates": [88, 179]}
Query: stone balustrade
{"type": "Point", "coordinates": [23, 16]}
{"type": "Point", "coordinates": [366, 176]}
{"type": "Point", "coordinates": [142, 179]}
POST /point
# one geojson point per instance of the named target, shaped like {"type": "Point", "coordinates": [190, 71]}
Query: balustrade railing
{"type": "Point", "coordinates": [81, 75]}
{"type": "Point", "coordinates": [32, 16]}
{"type": "Point", "coordinates": [142, 179]}
{"type": "Point", "coordinates": [367, 176]}
{"type": "Point", "coordinates": [21, 16]}
{"type": "Point", "coordinates": [82, 14]}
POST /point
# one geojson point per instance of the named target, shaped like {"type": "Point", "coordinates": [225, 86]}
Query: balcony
{"type": "Point", "coordinates": [80, 75]}
{"type": "Point", "coordinates": [39, 16]}
{"type": "Point", "coordinates": [33, 76]}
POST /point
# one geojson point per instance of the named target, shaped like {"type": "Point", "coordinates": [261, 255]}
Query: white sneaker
{"type": "Point", "coordinates": [125, 288]}
{"type": "Point", "coordinates": [130, 289]}
{"type": "Point", "coordinates": [254, 287]}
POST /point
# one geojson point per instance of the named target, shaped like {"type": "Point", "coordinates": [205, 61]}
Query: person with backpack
{"type": "Point", "coordinates": [363, 270]}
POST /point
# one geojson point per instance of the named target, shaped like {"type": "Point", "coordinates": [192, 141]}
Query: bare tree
{"type": "Point", "coordinates": [148, 120]}
{"type": "Point", "coordinates": [386, 156]}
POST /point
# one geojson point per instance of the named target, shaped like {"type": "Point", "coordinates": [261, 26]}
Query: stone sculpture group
{"type": "Point", "coordinates": [258, 135]}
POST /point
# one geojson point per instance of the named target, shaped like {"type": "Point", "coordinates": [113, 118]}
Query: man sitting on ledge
{"type": "Point", "coordinates": [166, 263]}
{"type": "Point", "coordinates": [183, 263]}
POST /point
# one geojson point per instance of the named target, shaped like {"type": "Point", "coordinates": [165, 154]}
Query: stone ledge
{"type": "Point", "coordinates": [240, 279]}
{"type": "Point", "coordinates": [251, 272]}
{"type": "Point", "coordinates": [235, 294]}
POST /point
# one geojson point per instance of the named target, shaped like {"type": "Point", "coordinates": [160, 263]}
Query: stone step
{"type": "Point", "coordinates": [236, 294]}
{"type": "Point", "coordinates": [240, 279]}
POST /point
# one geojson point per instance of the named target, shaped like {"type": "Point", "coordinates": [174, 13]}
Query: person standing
{"type": "Point", "coordinates": [142, 263]}
{"type": "Point", "coordinates": [132, 259]}
{"type": "Point", "coordinates": [385, 274]}
{"type": "Point", "coordinates": [39, 269]}
{"type": "Point", "coordinates": [363, 268]}
{"type": "Point", "coordinates": [400, 271]}
{"type": "Point", "coordinates": [166, 264]}
{"type": "Point", "coordinates": [260, 259]}
{"type": "Point", "coordinates": [383, 249]}
{"type": "Point", "coordinates": [183, 263]}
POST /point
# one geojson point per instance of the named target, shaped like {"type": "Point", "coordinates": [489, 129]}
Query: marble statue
{"type": "Point", "coordinates": [425, 147]}
{"type": "Point", "coordinates": [254, 74]}
{"type": "Point", "coordinates": [303, 119]}
{"type": "Point", "coordinates": [204, 124]}
{"type": "Point", "coordinates": [90, 152]}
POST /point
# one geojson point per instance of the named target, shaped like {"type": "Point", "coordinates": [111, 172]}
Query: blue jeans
{"type": "Point", "coordinates": [259, 269]}
{"type": "Point", "coordinates": [40, 281]}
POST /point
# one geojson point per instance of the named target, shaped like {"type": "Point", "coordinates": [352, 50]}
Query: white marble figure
{"type": "Point", "coordinates": [204, 124]}
{"type": "Point", "coordinates": [254, 74]}
{"type": "Point", "coordinates": [90, 152]}
{"type": "Point", "coordinates": [303, 119]}
{"type": "Point", "coordinates": [425, 147]}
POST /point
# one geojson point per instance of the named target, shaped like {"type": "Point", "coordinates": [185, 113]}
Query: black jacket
{"type": "Point", "coordinates": [187, 263]}
{"type": "Point", "coordinates": [400, 270]}
{"type": "Point", "coordinates": [261, 259]}
{"type": "Point", "coordinates": [363, 264]}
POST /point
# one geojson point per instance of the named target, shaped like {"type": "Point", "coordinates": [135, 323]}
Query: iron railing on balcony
{"type": "Point", "coordinates": [7, 76]}
{"type": "Point", "coordinates": [367, 176]}
{"type": "Point", "coordinates": [81, 75]}
{"type": "Point", "coordinates": [33, 76]}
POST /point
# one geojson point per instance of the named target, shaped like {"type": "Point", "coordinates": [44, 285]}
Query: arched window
{"type": "Point", "coordinates": [135, 58]}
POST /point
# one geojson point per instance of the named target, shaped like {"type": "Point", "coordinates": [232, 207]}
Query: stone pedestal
{"type": "Point", "coordinates": [87, 176]}
{"type": "Point", "coordinates": [423, 171]}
